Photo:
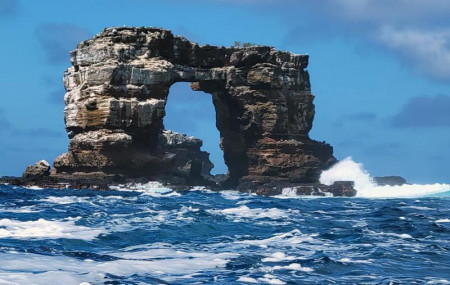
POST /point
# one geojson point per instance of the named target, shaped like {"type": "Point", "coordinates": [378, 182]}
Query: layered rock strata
{"type": "Point", "coordinates": [37, 171]}
{"type": "Point", "coordinates": [117, 89]}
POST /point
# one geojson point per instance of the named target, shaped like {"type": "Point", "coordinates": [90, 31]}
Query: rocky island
{"type": "Point", "coordinates": [117, 89]}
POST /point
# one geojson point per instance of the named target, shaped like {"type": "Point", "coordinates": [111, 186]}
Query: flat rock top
{"type": "Point", "coordinates": [165, 45]}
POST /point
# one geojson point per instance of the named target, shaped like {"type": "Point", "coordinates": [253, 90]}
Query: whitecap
{"type": "Point", "coordinates": [174, 265]}
{"type": "Point", "coordinates": [164, 261]}
{"type": "Point", "coordinates": [438, 281]}
{"type": "Point", "coordinates": [290, 191]}
{"type": "Point", "coordinates": [152, 188]}
{"type": "Point", "coordinates": [25, 268]}
{"type": "Point", "coordinates": [348, 170]}
{"type": "Point", "coordinates": [443, 221]}
{"type": "Point", "coordinates": [402, 236]}
{"type": "Point", "coordinates": [247, 279]}
{"type": "Point", "coordinates": [48, 277]}
{"type": "Point", "coordinates": [44, 229]}
{"type": "Point", "coordinates": [294, 267]}
{"type": "Point", "coordinates": [150, 218]}
{"type": "Point", "coordinates": [420, 208]}
{"type": "Point", "coordinates": [231, 195]}
{"type": "Point", "coordinates": [254, 213]}
{"type": "Point", "coordinates": [33, 187]}
{"type": "Point", "coordinates": [21, 210]}
{"type": "Point", "coordinates": [348, 260]}
{"type": "Point", "coordinates": [270, 279]}
{"type": "Point", "coordinates": [39, 269]}
{"type": "Point", "coordinates": [277, 257]}
{"type": "Point", "coordinates": [282, 239]}
{"type": "Point", "coordinates": [202, 189]}
{"type": "Point", "coordinates": [63, 200]}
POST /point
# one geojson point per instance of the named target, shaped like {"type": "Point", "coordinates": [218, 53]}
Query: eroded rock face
{"type": "Point", "coordinates": [38, 170]}
{"type": "Point", "coordinates": [390, 180]}
{"type": "Point", "coordinates": [186, 150]}
{"type": "Point", "coordinates": [117, 89]}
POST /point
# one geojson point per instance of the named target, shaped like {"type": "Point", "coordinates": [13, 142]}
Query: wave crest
{"type": "Point", "coordinates": [349, 170]}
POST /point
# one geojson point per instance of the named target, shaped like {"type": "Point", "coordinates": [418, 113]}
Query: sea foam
{"type": "Point", "coordinates": [243, 211]}
{"type": "Point", "coordinates": [44, 229]}
{"type": "Point", "coordinates": [152, 188]}
{"type": "Point", "coordinates": [348, 170]}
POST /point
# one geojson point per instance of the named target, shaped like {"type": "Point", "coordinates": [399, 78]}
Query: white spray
{"type": "Point", "coordinates": [348, 170]}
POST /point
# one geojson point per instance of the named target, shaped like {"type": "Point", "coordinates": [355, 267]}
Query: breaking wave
{"type": "Point", "coordinates": [44, 229]}
{"type": "Point", "coordinates": [348, 170]}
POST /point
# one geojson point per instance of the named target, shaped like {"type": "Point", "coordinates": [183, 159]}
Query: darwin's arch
{"type": "Point", "coordinates": [193, 113]}
{"type": "Point", "coordinates": [117, 89]}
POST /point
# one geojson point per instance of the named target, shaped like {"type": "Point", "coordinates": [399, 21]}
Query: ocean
{"type": "Point", "coordinates": [148, 234]}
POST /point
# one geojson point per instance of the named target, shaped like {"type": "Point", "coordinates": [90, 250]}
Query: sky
{"type": "Point", "coordinates": [380, 71]}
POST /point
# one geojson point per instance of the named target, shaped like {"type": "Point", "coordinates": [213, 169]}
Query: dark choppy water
{"type": "Point", "coordinates": [196, 237]}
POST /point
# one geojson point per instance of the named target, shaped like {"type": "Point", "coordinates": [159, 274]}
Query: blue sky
{"type": "Point", "coordinates": [380, 70]}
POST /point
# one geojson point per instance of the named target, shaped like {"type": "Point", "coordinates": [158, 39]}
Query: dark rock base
{"type": "Point", "coordinates": [389, 180]}
{"type": "Point", "coordinates": [266, 187]}
{"type": "Point", "coordinates": [279, 186]}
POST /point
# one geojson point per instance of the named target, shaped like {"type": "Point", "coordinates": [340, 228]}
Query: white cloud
{"type": "Point", "coordinates": [390, 11]}
{"type": "Point", "coordinates": [423, 111]}
{"type": "Point", "coordinates": [427, 51]}
{"type": "Point", "coordinates": [416, 31]}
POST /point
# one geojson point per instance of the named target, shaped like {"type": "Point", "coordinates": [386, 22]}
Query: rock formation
{"type": "Point", "coordinates": [117, 89]}
{"type": "Point", "coordinates": [38, 170]}
{"type": "Point", "coordinates": [389, 180]}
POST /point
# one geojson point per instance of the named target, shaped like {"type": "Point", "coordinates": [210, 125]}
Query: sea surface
{"type": "Point", "coordinates": [148, 234]}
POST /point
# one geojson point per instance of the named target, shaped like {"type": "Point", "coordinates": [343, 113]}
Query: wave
{"type": "Point", "coordinates": [152, 188]}
{"type": "Point", "coordinates": [166, 262]}
{"type": "Point", "coordinates": [348, 170]}
{"type": "Point", "coordinates": [244, 212]}
{"type": "Point", "coordinates": [44, 229]}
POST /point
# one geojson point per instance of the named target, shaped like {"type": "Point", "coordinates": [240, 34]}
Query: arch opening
{"type": "Point", "coordinates": [192, 113]}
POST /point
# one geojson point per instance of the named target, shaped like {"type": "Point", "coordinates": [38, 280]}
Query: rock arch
{"type": "Point", "coordinates": [193, 113]}
{"type": "Point", "coordinates": [117, 89]}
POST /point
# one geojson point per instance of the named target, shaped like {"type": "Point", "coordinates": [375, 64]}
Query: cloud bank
{"type": "Point", "coordinates": [428, 52]}
{"type": "Point", "coordinates": [424, 111]}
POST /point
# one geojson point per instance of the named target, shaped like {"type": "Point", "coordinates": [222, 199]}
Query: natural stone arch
{"type": "Point", "coordinates": [119, 82]}
{"type": "Point", "coordinates": [192, 112]}
{"type": "Point", "coordinates": [229, 110]}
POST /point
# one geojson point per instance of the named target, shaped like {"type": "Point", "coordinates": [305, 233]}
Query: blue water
{"type": "Point", "coordinates": [153, 236]}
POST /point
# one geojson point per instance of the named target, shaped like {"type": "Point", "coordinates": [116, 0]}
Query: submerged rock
{"type": "Point", "coordinates": [389, 180]}
{"type": "Point", "coordinates": [272, 187]}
